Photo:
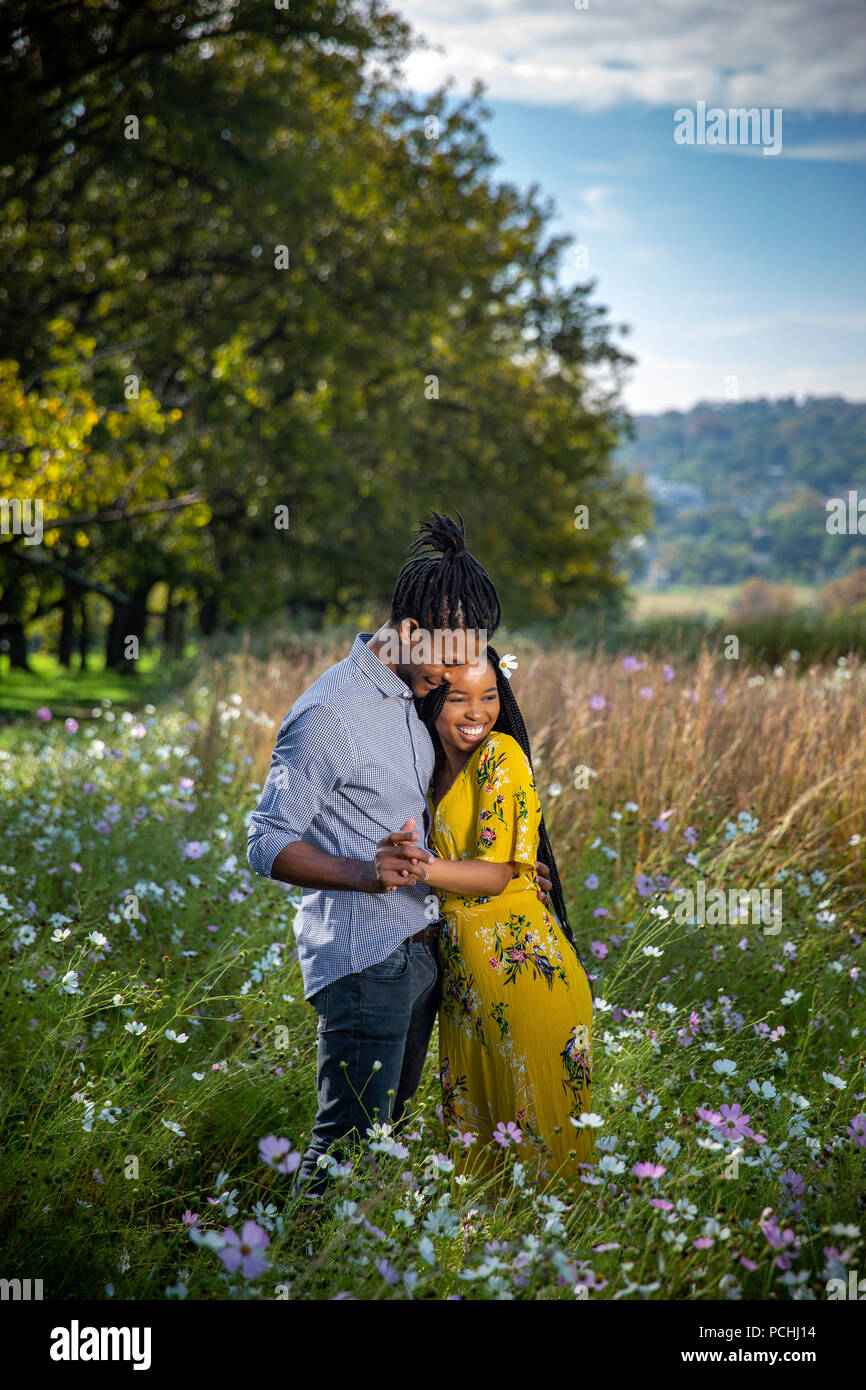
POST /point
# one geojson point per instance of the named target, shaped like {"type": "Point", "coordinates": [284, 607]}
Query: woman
{"type": "Point", "coordinates": [516, 1013]}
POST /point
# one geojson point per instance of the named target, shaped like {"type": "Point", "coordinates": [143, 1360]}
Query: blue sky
{"type": "Point", "coordinates": [741, 274]}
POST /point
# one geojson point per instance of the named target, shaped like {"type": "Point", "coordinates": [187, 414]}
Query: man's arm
{"type": "Point", "coordinates": [313, 754]}
{"type": "Point", "coordinates": [308, 867]}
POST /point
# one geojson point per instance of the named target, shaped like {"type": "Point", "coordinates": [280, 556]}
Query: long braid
{"type": "Point", "coordinates": [442, 585]}
{"type": "Point", "coordinates": [509, 721]}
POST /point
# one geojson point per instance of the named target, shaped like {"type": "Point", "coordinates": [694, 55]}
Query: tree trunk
{"type": "Point", "coordinates": [83, 631]}
{"type": "Point", "coordinates": [67, 626]}
{"type": "Point", "coordinates": [16, 645]}
{"type": "Point", "coordinates": [127, 620]}
{"type": "Point", "coordinates": [208, 614]}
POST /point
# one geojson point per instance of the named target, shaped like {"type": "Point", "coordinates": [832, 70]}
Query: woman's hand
{"type": "Point", "coordinates": [399, 860]}
{"type": "Point", "coordinates": [545, 882]}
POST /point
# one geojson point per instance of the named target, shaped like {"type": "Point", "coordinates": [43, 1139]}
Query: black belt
{"type": "Point", "coordinates": [429, 935]}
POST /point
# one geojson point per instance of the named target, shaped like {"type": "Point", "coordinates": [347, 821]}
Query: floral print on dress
{"type": "Point", "coordinates": [516, 1014]}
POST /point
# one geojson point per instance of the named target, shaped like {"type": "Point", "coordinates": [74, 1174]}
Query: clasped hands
{"type": "Point", "coordinates": [400, 863]}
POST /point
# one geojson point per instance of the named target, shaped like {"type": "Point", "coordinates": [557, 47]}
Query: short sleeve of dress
{"type": "Point", "coordinates": [508, 808]}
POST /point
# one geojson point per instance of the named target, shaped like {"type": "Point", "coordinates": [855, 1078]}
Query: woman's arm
{"type": "Point", "coordinates": [473, 878]}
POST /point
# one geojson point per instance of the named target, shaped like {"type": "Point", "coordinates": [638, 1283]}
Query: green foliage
{"type": "Point", "coordinates": [763, 471]}
{"type": "Point", "coordinates": [305, 386]}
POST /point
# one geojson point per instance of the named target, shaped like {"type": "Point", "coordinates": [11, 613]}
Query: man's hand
{"type": "Point", "coordinates": [399, 860]}
{"type": "Point", "coordinates": [545, 882]}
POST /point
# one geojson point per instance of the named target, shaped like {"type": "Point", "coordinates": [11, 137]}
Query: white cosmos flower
{"type": "Point", "coordinates": [507, 664]}
{"type": "Point", "coordinates": [587, 1120]}
{"type": "Point", "coordinates": [70, 982]}
{"type": "Point", "coordinates": [174, 1127]}
{"type": "Point", "coordinates": [176, 1037]}
{"type": "Point", "coordinates": [832, 1080]}
{"type": "Point", "coordinates": [136, 1028]}
{"type": "Point", "coordinates": [97, 938]}
{"type": "Point", "coordinates": [60, 934]}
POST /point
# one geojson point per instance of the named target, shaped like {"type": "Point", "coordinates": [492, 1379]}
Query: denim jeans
{"type": "Point", "coordinates": [385, 1015]}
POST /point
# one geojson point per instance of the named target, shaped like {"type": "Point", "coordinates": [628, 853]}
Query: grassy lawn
{"type": "Point", "coordinates": [76, 693]}
{"type": "Point", "coordinates": [683, 600]}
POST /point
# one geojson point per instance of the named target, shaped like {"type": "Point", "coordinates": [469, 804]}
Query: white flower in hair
{"type": "Point", "coordinates": [507, 664]}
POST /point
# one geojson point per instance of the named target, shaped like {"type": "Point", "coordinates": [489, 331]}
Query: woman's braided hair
{"type": "Point", "coordinates": [509, 721]}
{"type": "Point", "coordinates": [442, 585]}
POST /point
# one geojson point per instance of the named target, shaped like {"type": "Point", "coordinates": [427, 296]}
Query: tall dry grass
{"type": "Point", "coordinates": [714, 739]}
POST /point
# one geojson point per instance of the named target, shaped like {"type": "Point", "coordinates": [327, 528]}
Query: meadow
{"type": "Point", "coordinates": [158, 1058]}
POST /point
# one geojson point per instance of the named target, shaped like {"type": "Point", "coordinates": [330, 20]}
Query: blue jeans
{"type": "Point", "coordinates": [384, 1014]}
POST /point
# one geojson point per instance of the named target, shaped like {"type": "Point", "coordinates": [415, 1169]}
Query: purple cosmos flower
{"type": "Point", "coordinates": [661, 1204]}
{"type": "Point", "coordinates": [277, 1153]}
{"type": "Point", "coordinates": [597, 702]}
{"type": "Point", "coordinates": [857, 1130]}
{"type": "Point", "coordinates": [193, 849]}
{"type": "Point", "coordinates": [631, 663]}
{"type": "Point", "coordinates": [591, 881]}
{"type": "Point", "coordinates": [734, 1124]}
{"type": "Point", "coordinates": [598, 949]}
{"type": "Point", "coordinates": [186, 784]}
{"type": "Point", "coordinates": [668, 673]}
{"type": "Point", "coordinates": [649, 1170]}
{"type": "Point", "coordinates": [703, 1243]}
{"type": "Point", "coordinates": [190, 1218]}
{"type": "Point", "coordinates": [783, 1241]}
{"type": "Point", "coordinates": [661, 820]}
{"type": "Point", "coordinates": [792, 1182]}
{"type": "Point", "coordinates": [690, 835]}
{"type": "Point", "coordinates": [239, 1251]}
{"type": "Point", "coordinates": [646, 692]}
{"type": "Point", "coordinates": [71, 725]}
{"type": "Point", "coordinates": [507, 1134]}
{"type": "Point", "coordinates": [387, 1271]}
{"type": "Point", "coordinates": [43, 713]}
{"type": "Point", "coordinates": [644, 885]}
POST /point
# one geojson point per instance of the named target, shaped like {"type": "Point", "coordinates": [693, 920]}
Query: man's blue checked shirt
{"type": "Point", "coordinates": [352, 762]}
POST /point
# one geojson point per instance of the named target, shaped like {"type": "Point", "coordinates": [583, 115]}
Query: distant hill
{"type": "Point", "coordinates": [740, 488]}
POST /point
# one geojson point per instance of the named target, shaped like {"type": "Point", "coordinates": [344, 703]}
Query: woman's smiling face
{"type": "Point", "coordinates": [471, 708]}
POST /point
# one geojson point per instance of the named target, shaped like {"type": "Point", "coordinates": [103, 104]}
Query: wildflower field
{"type": "Point", "coordinates": [158, 1058]}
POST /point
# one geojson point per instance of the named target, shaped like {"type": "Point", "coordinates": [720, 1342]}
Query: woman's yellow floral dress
{"type": "Point", "coordinates": [515, 1024]}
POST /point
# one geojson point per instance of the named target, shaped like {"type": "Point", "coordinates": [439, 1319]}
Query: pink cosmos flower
{"type": "Point", "coordinates": [649, 1170]}
{"type": "Point", "coordinates": [507, 1134]}
{"type": "Point", "coordinates": [277, 1153]}
{"type": "Point", "coordinates": [857, 1130]}
{"type": "Point", "coordinates": [239, 1251]}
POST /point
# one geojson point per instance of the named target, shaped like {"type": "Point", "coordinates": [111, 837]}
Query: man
{"type": "Point", "coordinates": [351, 763]}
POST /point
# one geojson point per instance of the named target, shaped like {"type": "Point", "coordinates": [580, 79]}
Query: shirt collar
{"type": "Point", "coordinates": [381, 675]}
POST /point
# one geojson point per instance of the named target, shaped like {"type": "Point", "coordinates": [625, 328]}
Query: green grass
{"type": "Point", "coordinates": [74, 693]}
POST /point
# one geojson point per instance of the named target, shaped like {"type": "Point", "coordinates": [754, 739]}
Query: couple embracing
{"type": "Point", "coordinates": [401, 798]}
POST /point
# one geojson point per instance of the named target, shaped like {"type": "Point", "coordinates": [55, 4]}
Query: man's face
{"type": "Point", "coordinates": [426, 659]}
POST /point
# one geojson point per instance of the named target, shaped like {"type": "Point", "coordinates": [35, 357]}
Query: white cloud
{"type": "Point", "coordinates": [790, 53]}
